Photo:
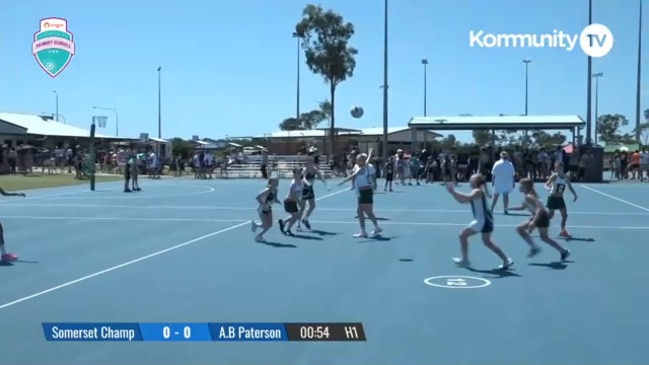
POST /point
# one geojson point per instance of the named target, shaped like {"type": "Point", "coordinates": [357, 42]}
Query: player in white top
{"type": "Point", "coordinates": [363, 183]}
{"type": "Point", "coordinates": [557, 185]}
{"type": "Point", "coordinates": [482, 223]}
{"type": "Point", "coordinates": [644, 164]}
{"type": "Point", "coordinates": [503, 180]}
{"type": "Point", "coordinates": [291, 203]}
{"type": "Point", "coordinates": [153, 166]}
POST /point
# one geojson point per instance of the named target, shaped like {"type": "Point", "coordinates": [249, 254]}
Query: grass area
{"type": "Point", "coordinates": [37, 181]}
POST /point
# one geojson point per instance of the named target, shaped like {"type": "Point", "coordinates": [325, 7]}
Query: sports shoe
{"type": "Point", "coordinates": [565, 254]}
{"type": "Point", "coordinates": [534, 251]}
{"type": "Point", "coordinates": [461, 262]}
{"type": "Point", "coordinates": [9, 257]}
{"type": "Point", "coordinates": [507, 264]}
{"type": "Point", "coordinates": [361, 234]}
{"type": "Point", "coordinates": [377, 231]}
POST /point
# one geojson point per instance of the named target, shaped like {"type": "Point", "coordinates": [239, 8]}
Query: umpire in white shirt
{"type": "Point", "coordinates": [503, 180]}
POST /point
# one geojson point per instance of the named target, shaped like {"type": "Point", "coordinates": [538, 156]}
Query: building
{"type": "Point", "coordinates": [289, 142]}
{"type": "Point", "coordinates": [17, 129]}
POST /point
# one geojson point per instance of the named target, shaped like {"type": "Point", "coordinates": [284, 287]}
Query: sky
{"type": "Point", "coordinates": [229, 68]}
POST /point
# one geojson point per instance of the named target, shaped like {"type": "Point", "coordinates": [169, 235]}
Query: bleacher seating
{"type": "Point", "coordinates": [281, 166]}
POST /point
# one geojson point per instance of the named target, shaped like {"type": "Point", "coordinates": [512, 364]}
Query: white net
{"type": "Point", "coordinates": [101, 121]}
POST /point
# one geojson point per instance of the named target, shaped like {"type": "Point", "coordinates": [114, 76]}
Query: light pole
{"type": "Point", "coordinates": [297, 36]}
{"type": "Point", "coordinates": [425, 63]}
{"type": "Point", "coordinates": [596, 76]}
{"type": "Point", "coordinates": [638, 91]}
{"type": "Point", "coordinates": [589, 86]}
{"type": "Point", "coordinates": [160, 102]}
{"type": "Point", "coordinates": [527, 83]}
{"type": "Point", "coordinates": [116, 117]}
{"type": "Point", "coordinates": [385, 81]}
{"type": "Point", "coordinates": [56, 101]}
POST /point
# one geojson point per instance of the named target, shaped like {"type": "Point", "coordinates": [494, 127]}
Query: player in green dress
{"type": "Point", "coordinates": [557, 185]}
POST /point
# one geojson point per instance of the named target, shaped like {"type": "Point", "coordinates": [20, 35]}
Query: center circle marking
{"type": "Point", "coordinates": [457, 282]}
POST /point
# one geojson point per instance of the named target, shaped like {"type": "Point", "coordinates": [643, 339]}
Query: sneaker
{"type": "Point", "coordinates": [461, 262]}
{"type": "Point", "coordinates": [306, 223]}
{"type": "Point", "coordinates": [361, 234]}
{"type": "Point", "coordinates": [128, 191]}
{"type": "Point", "coordinates": [377, 231]}
{"type": "Point", "coordinates": [565, 254]}
{"type": "Point", "coordinates": [253, 226]}
{"type": "Point", "coordinates": [506, 265]}
{"type": "Point", "coordinates": [259, 238]}
{"type": "Point", "coordinates": [281, 225]}
{"type": "Point", "coordinates": [534, 251]}
{"type": "Point", "coordinates": [9, 257]}
{"type": "Point", "coordinates": [564, 233]}
{"type": "Point", "coordinates": [289, 233]}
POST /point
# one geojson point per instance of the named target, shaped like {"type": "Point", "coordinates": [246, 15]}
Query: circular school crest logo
{"type": "Point", "coordinates": [53, 45]}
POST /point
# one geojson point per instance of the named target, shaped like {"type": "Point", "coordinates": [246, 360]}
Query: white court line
{"type": "Point", "coordinates": [615, 198]}
{"type": "Point", "coordinates": [138, 219]}
{"type": "Point", "coordinates": [204, 190]}
{"type": "Point", "coordinates": [13, 199]}
{"type": "Point", "coordinates": [208, 207]}
{"type": "Point", "coordinates": [140, 259]}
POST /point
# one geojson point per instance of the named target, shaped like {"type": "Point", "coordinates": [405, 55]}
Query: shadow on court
{"type": "Point", "coordinates": [578, 239]}
{"type": "Point", "coordinates": [13, 263]}
{"type": "Point", "coordinates": [305, 237]}
{"type": "Point", "coordinates": [495, 273]}
{"type": "Point", "coordinates": [406, 260]}
{"type": "Point", "coordinates": [278, 245]}
{"type": "Point", "coordinates": [377, 239]}
{"type": "Point", "coordinates": [324, 233]}
{"type": "Point", "coordinates": [555, 265]}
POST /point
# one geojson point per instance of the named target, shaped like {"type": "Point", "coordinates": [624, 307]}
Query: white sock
{"type": "Point", "coordinates": [3, 250]}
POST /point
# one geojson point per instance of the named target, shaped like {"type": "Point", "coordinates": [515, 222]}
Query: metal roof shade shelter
{"type": "Point", "coordinates": [572, 123]}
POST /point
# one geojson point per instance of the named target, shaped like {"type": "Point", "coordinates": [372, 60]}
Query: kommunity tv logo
{"type": "Point", "coordinates": [595, 40]}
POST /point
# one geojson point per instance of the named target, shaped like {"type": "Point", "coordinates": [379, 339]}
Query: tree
{"type": "Point", "coordinates": [325, 40]}
{"type": "Point", "coordinates": [541, 139]}
{"type": "Point", "coordinates": [181, 147]}
{"type": "Point", "coordinates": [482, 137]}
{"type": "Point", "coordinates": [291, 124]}
{"type": "Point", "coordinates": [308, 120]}
{"type": "Point", "coordinates": [608, 126]}
{"type": "Point", "coordinates": [643, 129]}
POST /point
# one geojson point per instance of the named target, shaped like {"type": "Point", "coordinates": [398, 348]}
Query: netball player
{"type": "Point", "coordinates": [389, 173]}
{"type": "Point", "coordinates": [309, 174]}
{"type": "Point", "coordinates": [364, 186]}
{"type": "Point", "coordinates": [540, 221]}
{"type": "Point", "coordinates": [482, 223]}
{"type": "Point", "coordinates": [557, 184]}
{"type": "Point", "coordinates": [4, 255]}
{"type": "Point", "coordinates": [128, 169]}
{"type": "Point", "coordinates": [265, 199]}
{"type": "Point", "coordinates": [291, 203]}
{"type": "Point", "coordinates": [135, 172]}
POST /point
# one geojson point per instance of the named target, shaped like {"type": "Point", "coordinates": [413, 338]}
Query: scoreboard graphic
{"type": "Point", "coordinates": [203, 332]}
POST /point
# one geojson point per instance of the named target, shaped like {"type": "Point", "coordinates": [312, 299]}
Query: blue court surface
{"type": "Point", "coordinates": [182, 251]}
